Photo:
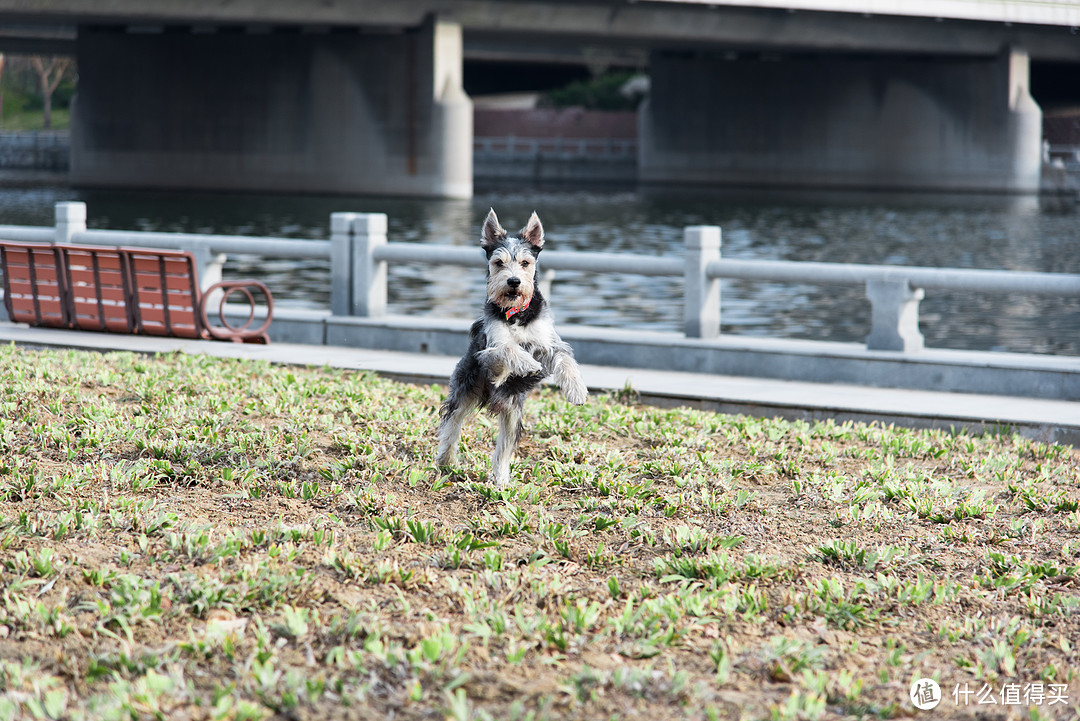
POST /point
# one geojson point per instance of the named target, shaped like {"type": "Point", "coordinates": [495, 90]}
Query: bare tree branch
{"type": "Point", "coordinates": [50, 74]}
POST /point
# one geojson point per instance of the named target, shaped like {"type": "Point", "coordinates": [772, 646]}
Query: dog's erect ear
{"type": "Point", "coordinates": [533, 232]}
{"type": "Point", "coordinates": [492, 234]}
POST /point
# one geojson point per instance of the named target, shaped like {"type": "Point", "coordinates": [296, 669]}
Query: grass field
{"type": "Point", "coordinates": [35, 120]}
{"type": "Point", "coordinates": [185, 537]}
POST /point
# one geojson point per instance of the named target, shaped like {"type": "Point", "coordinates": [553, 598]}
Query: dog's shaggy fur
{"type": "Point", "coordinates": [512, 348]}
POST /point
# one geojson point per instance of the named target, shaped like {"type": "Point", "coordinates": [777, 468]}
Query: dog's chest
{"type": "Point", "coordinates": [521, 336]}
{"type": "Point", "coordinates": [533, 338]}
{"type": "Point", "coordinates": [536, 336]}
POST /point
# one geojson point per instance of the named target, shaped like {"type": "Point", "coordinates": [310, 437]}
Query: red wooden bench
{"type": "Point", "coordinates": [96, 282]}
{"type": "Point", "coordinates": [34, 284]}
{"type": "Point", "coordinates": [122, 290]}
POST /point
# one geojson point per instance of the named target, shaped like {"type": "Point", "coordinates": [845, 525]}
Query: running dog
{"type": "Point", "coordinates": [512, 348]}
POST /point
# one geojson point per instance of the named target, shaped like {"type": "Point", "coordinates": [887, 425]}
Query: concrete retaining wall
{"type": "Point", "coordinates": [538, 145]}
{"type": "Point", "coordinates": [552, 169]}
{"type": "Point", "coordinates": [44, 150]}
{"type": "Point", "coordinates": [1015, 374]}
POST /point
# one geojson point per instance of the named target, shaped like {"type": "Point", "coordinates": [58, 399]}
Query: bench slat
{"type": "Point", "coordinates": [111, 296]}
{"type": "Point", "coordinates": [152, 284]}
{"type": "Point", "coordinates": [173, 266]}
{"type": "Point", "coordinates": [182, 323]}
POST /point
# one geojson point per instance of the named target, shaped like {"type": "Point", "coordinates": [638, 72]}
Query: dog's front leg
{"type": "Point", "coordinates": [564, 369]}
{"type": "Point", "coordinates": [503, 361]}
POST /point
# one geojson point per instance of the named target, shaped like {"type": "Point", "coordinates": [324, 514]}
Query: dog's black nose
{"type": "Point", "coordinates": [513, 282]}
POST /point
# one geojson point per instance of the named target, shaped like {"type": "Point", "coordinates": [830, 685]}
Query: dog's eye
{"type": "Point", "coordinates": [524, 264]}
{"type": "Point", "coordinates": [498, 263]}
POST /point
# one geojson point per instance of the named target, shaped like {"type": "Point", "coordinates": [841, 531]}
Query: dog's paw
{"type": "Point", "coordinates": [526, 365]}
{"type": "Point", "coordinates": [534, 368]}
{"type": "Point", "coordinates": [576, 392]}
{"type": "Point", "coordinates": [500, 378]}
{"type": "Point", "coordinates": [500, 481]}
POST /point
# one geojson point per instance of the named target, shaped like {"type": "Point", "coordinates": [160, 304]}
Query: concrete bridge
{"type": "Point", "coordinates": [367, 97]}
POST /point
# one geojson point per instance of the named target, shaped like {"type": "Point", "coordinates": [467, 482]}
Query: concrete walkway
{"type": "Point", "coordinates": [1046, 420]}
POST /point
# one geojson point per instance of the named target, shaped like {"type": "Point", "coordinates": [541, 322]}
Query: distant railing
{"type": "Point", "coordinates": [894, 291]}
{"type": "Point", "coordinates": [517, 147]}
{"type": "Point", "coordinates": [1069, 155]}
{"type": "Point", "coordinates": [359, 255]}
{"type": "Point", "coordinates": [36, 138]}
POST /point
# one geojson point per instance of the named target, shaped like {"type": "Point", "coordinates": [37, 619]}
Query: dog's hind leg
{"type": "Point", "coordinates": [466, 394]}
{"type": "Point", "coordinates": [454, 412]}
{"type": "Point", "coordinates": [510, 416]}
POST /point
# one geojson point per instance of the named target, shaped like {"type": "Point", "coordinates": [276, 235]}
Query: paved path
{"type": "Point", "coordinates": [1037, 418]}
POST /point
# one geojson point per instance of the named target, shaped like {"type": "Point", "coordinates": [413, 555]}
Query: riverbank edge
{"type": "Point", "coordinates": [1019, 375]}
{"type": "Point", "coordinates": [954, 371]}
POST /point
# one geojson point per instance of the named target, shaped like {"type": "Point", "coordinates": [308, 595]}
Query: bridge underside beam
{"type": "Point", "coordinates": [655, 24]}
{"type": "Point", "coordinates": [290, 112]}
{"type": "Point", "coordinates": [851, 122]}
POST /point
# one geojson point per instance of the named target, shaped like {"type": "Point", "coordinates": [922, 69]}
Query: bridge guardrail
{"type": "Point", "coordinates": [1067, 155]}
{"type": "Point", "coordinates": [359, 255]}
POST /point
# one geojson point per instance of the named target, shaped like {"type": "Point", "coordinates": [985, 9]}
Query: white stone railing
{"type": "Point", "coordinates": [359, 255]}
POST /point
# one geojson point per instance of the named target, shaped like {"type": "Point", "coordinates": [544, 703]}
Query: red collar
{"type": "Point", "coordinates": [514, 311]}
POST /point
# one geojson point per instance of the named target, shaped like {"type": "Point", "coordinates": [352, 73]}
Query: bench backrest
{"type": "Point", "coordinates": [123, 290]}
{"type": "Point", "coordinates": [165, 292]}
{"type": "Point", "coordinates": [97, 287]}
{"type": "Point", "coordinates": [34, 291]}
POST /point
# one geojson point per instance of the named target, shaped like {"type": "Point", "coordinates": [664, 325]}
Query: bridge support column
{"type": "Point", "coordinates": [941, 123]}
{"type": "Point", "coordinates": [344, 112]}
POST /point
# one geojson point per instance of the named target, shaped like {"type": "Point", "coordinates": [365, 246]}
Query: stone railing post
{"type": "Point", "coordinates": [357, 279]}
{"type": "Point", "coordinates": [70, 219]}
{"type": "Point", "coordinates": [894, 316]}
{"type": "Point", "coordinates": [701, 293]}
{"type": "Point", "coordinates": [547, 280]}
{"type": "Point", "coordinates": [369, 274]}
{"type": "Point", "coordinates": [209, 265]}
{"type": "Point", "coordinates": [341, 254]}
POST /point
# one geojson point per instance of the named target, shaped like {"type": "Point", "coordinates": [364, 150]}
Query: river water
{"type": "Point", "coordinates": [965, 231]}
